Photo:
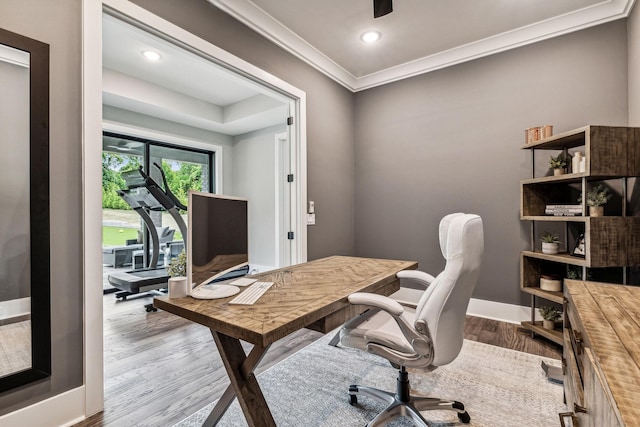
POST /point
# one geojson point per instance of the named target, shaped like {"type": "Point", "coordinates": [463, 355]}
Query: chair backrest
{"type": "Point", "coordinates": [444, 305]}
{"type": "Point", "coordinates": [443, 231]}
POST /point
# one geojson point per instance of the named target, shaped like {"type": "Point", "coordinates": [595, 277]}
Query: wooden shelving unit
{"type": "Point", "coordinates": [611, 241]}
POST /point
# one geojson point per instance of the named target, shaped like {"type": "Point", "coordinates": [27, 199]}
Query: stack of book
{"type": "Point", "coordinates": [563, 210]}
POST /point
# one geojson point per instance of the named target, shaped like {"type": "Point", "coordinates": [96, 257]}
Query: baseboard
{"type": "Point", "coordinates": [63, 410]}
{"type": "Point", "coordinates": [14, 310]}
{"type": "Point", "coordinates": [509, 313]}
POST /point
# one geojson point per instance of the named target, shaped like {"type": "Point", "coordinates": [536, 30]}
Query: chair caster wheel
{"type": "Point", "coordinates": [463, 416]}
{"type": "Point", "coordinates": [353, 399]}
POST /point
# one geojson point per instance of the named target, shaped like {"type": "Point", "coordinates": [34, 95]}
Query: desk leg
{"type": "Point", "coordinates": [221, 407]}
{"type": "Point", "coordinates": [243, 383]}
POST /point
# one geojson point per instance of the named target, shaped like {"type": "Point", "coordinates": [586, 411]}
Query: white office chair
{"type": "Point", "coordinates": [427, 337]}
{"type": "Point", "coordinates": [420, 277]}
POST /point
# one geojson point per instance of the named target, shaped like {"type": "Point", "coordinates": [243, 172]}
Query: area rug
{"type": "Point", "coordinates": [499, 387]}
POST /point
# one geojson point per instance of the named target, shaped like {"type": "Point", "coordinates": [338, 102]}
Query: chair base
{"type": "Point", "coordinates": [402, 404]}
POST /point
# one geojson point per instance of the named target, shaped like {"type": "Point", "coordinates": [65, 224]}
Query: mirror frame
{"type": "Point", "coordinates": [38, 209]}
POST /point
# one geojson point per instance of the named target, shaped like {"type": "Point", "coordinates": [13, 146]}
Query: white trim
{"type": "Point", "coordinates": [93, 394]}
{"type": "Point", "coordinates": [258, 20]}
{"type": "Point", "coordinates": [61, 410]}
{"type": "Point", "coordinates": [264, 24]}
{"type": "Point", "coordinates": [298, 145]}
{"type": "Point", "coordinates": [14, 56]}
{"type": "Point", "coordinates": [135, 131]}
{"type": "Point", "coordinates": [14, 308]}
{"type": "Point", "coordinates": [281, 199]}
{"type": "Point", "coordinates": [509, 313]}
{"type": "Point", "coordinates": [92, 400]}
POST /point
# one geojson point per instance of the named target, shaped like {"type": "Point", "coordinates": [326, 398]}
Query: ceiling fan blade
{"type": "Point", "coordinates": [382, 7]}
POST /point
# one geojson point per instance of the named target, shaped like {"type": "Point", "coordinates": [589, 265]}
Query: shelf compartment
{"type": "Point", "coordinates": [569, 139]}
{"type": "Point", "coordinates": [611, 241]}
{"type": "Point", "coordinates": [535, 197]}
{"type": "Point", "coordinates": [532, 267]}
{"type": "Point", "coordinates": [561, 258]}
{"type": "Point", "coordinates": [609, 150]}
{"type": "Point", "coordinates": [536, 327]}
{"type": "Point", "coordinates": [551, 296]}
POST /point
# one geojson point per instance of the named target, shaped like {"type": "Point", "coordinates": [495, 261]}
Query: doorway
{"type": "Point", "coordinates": [272, 94]}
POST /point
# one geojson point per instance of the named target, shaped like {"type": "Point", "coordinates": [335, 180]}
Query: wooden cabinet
{"type": "Point", "coordinates": [611, 242]}
{"type": "Point", "coordinates": [601, 361]}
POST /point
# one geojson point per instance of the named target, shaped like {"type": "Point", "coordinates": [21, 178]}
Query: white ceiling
{"type": "Point", "coordinates": [182, 87]}
{"type": "Point", "coordinates": [418, 36]}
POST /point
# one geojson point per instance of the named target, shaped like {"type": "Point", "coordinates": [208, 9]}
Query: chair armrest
{"type": "Point", "coordinates": [421, 344]}
{"type": "Point", "coordinates": [378, 301]}
{"type": "Point", "coordinates": [416, 276]}
{"type": "Point", "coordinates": [390, 306]}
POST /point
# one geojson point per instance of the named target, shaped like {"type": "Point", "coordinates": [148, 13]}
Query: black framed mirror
{"type": "Point", "coordinates": [25, 309]}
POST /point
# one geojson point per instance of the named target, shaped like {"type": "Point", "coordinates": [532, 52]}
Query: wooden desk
{"type": "Point", "coordinates": [310, 295]}
{"type": "Point", "coordinates": [602, 354]}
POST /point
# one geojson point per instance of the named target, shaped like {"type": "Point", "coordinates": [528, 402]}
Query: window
{"type": "Point", "coordinates": [184, 168]}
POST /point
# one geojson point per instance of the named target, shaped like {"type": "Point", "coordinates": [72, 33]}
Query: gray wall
{"type": "Point", "coordinates": [330, 151]}
{"type": "Point", "coordinates": [15, 266]}
{"type": "Point", "coordinates": [58, 24]}
{"type": "Point", "coordinates": [633, 37]}
{"type": "Point", "coordinates": [450, 141]}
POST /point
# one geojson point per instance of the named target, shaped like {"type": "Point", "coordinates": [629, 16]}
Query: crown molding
{"type": "Point", "coordinates": [257, 19]}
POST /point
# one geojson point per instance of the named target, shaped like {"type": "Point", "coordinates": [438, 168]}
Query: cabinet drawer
{"type": "Point", "coordinates": [600, 410]}
{"type": "Point", "coordinates": [573, 343]}
{"type": "Point", "coordinates": [573, 389]}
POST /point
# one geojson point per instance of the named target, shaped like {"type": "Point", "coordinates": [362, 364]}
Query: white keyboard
{"type": "Point", "coordinates": [252, 293]}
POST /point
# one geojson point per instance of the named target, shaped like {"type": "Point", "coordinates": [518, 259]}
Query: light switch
{"type": "Point", "coordinates": [311, 219]}
{"type": "Point", "coordinates": [312, 207]}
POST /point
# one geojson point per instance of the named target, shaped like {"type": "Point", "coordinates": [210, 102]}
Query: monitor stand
{"type": "Point", "coordinates": [214, 291]}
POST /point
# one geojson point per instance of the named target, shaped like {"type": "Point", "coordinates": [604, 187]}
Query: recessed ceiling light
{"type": "Point", "coordinates": [151, 55]}
{"type": "Point", "coordinates": [370, 36]}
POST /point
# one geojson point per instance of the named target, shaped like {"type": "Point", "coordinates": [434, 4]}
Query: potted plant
{"type": "Point", "coordinates": [177, 270]}
{"type": "Point", "coordinates": [574, 275]}
{"type": "Point", "coordinates": [558, 164]}
{"type": "Point", "coordinates": [597, 197]}
{"type": "Point", "coordinates": [549, 316]}
{"type": "Point", "coordinates": [178, 266]}
{"type": "Point", "coordinates": [550, 243]}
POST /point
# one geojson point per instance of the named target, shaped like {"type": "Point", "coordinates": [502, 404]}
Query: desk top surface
{"type": "Point", "coordinates": [301, 294]}
{"type": "Point", "coordinates": [610, 316]}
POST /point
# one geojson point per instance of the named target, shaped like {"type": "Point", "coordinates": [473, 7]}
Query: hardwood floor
{"type": "Point", "coordinates": [160, 368]}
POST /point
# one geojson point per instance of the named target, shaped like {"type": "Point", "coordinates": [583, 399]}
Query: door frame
{"type": "Point", "coordinates": [92, 154]}
{"type": "Point", "coordinates": [285, 199]}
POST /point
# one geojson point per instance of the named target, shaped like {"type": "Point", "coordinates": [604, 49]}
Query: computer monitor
{"type": "Point", "coordinates": [217, 241]}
